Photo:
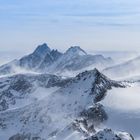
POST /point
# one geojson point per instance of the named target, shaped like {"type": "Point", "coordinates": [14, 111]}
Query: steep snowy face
{"type": "Point", "coordinates": [55, 54]}
{"type": "Point", "coordinates": [55, 115]}
{"type": "Point", "coordinates": [40, 59]}
{"type": "Point", "coordinates": [124, 70]}
{"type": "Point", "coordinates": [42, 50]}
{"type": "Point", "coordinates": [96, 82]}
{"type": "Point", "coordinates": [32, 61]}
{"type": "Point", "coordinates": [49, 59]}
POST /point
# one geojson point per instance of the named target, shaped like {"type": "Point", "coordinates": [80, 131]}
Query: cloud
{"type": "Point", "coordinates": [68, 21]}
{"type": "Point", "coordinates": [54, 11]}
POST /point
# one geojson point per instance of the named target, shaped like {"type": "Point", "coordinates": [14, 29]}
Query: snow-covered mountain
{"type": "Point", "coordinates": [32, 61]}
{"type": "Point", "coordinates": [43, 59]}
{"type": "Point", "coordinates": [49, 95]}
{"type": "Point", "coordinates": [21, 89]}
{"type": "Point", "coordinates": [49, 59]}
{"type": "Point", "coordinates": [124, 70]}
{"type": "Point", "coordinates": [76, 60]}
{"type": "Point", "coordinates": [70, 112]}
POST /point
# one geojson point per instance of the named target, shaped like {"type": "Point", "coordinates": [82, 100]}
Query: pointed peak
{"type": "Point", "coordinates": [55, 51]}
{"type": "Point", "coordinates": [76, 50]}
{"type": "Point", "coordinates": [90, 73]}
{"type": "Point", "coordinates": [96, 70]}
{"type": "Point", "coordinates": [41, 49]}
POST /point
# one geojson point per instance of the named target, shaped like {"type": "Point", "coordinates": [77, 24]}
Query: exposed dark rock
{"type": "Point", "coordinates": [95, 114]}
{"type": "Point", "coordinates": [108, 134]}
{"type": "Point", "coordinates": [25, 137]}
{"type": "Point", "coordinates": [101, 85]}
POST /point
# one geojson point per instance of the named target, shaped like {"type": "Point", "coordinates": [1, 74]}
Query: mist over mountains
{"type": "Point", "coordinates": [50, 95]}
{"type": "Point", "coordinates": [43, 59]}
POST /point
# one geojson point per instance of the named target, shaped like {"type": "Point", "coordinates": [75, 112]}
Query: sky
{"type": "Point", "coordinates": [91, 24]}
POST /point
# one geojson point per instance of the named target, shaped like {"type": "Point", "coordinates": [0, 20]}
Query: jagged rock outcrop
{"type": "Point", "coordinates": [108, 134]}
{"type": "Point", "coordinates": [25, 137]}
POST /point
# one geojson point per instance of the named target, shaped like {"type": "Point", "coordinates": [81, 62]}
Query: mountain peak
{"type": "Point", "coordinates": [55, 51]}
{"type": "Point", "coordinates": [76, 50]}
{"type": "Point", "coordinates": [90, 73]}
{"type": "Point", "coordinates": [42, 49]}
{"type": "Point", "coordinates": [99, 83]}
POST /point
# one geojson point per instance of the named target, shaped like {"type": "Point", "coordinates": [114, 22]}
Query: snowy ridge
{"type": "Point", "coordinates": [43, 59]}
{"type": "Point", "coordinates": [42, 54]}
{"type": "Point", "coordinates": [47, 96]}
{"type": "Point", "coordinates": [62, 113]}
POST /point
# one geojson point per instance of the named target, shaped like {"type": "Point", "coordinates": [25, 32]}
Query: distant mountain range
{"type": "Point", "coordinates": [45, 60]}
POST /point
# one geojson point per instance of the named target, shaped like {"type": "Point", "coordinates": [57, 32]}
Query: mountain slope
{"type": "Point", "coordinates": [55, 115]}
{"type": "Point", "coordinates": [33, 60]}
{"type": "Point", "coordinates": [22, 89]}
{"type": "Point", "coordinates": [9, 67]}
{"type": "Point", "coordinates": [49, 59]}
{"type": "Point", "coordinates": [43, 59]}
{"type": "Point", "coordinates": [76, 60]}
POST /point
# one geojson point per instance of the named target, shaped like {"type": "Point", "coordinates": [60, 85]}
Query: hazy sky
{"type": "Point", "coordinates": [92, 24]}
